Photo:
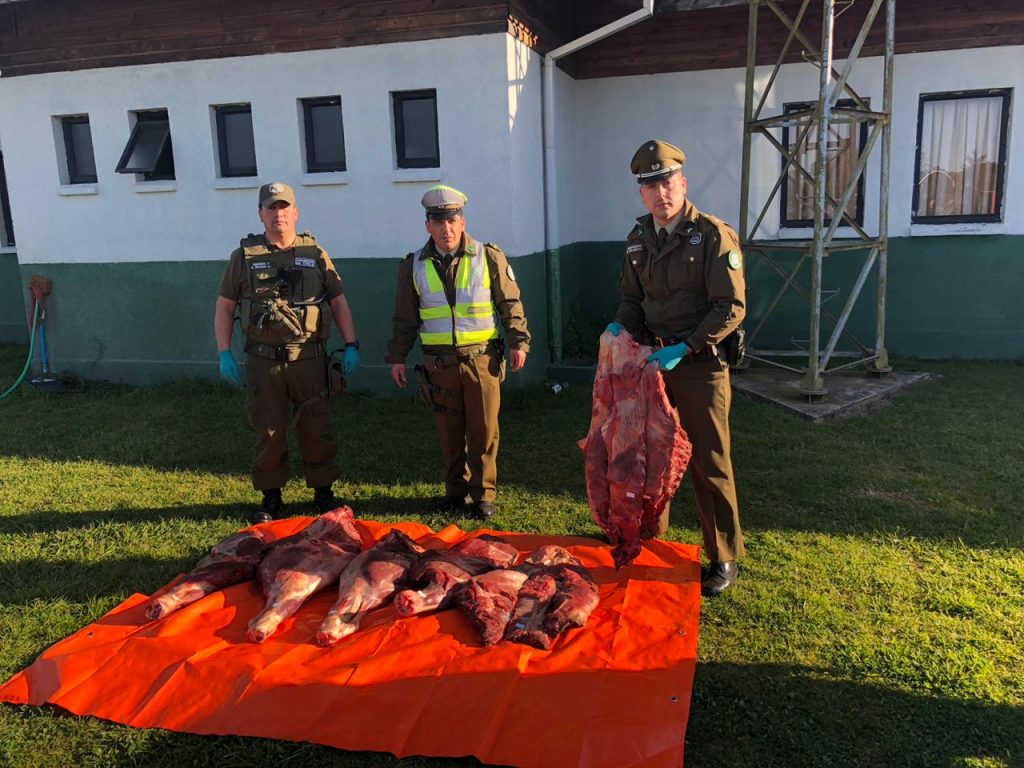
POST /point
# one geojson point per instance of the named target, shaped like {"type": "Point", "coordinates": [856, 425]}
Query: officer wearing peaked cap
{"type": "Point", "coordinates": [453, 294]}
{"type": "Point", "coordinates": [288, 293]}
{"type": "Point", "coordinates": [682, 287]}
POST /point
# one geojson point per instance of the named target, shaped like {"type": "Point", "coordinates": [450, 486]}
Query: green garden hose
{"type": "Point", "coordinates": [31, 348]}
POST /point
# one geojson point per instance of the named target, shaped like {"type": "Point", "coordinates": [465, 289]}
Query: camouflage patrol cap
{"type": "Point", "coordinates": [274, 191]}
{"type": "Point", "coordinates": [443, 202]}
{"type": "Point", "coordinates": [656, 160]}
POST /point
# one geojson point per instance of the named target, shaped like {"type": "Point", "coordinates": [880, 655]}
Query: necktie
{"type": "Point", "coordinates": [662, 237]}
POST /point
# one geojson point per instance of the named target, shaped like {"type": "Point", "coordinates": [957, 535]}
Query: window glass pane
{"type": "Point", "coordinates": [81, 141]}
{"type": "Point", "coordinates": [959, 164]}
{"type": "Point", "coordinates": [6, 226]}
{"type": "Point", "coordinates": [145, 151]}
{"type": "Point", "coordinates": [842, 150]}
{"type": "Point", "coordinates": [328, 139]}
{"type": "Point", "coordinates": [240, 146]}
{"type": "Point", "coordinates": [419, 123]}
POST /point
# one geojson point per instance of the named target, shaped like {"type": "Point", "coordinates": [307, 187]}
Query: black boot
{"type": "Point", "coordinates": [451, 503]}
{"type": "Point", "coordinates": [271, 507]}
{"type": "Point", "coordinates": [720, 575]}
{"type": "Point", "coordinates": [484, 510]}
{"type": "Point", "coordinates": [323, 499]}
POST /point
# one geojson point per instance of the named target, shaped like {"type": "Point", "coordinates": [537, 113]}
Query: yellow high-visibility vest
{"type": "Point", "coordinates": [473, 319]}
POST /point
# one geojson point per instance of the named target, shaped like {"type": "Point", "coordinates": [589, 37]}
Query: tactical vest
{"type": "Point", "coordinates": [473, 319]}
{"type": "Point", "coordinates": [283, 292]}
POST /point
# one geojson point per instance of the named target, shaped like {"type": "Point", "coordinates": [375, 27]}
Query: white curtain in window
{"type": "Point", "coordinates": [842, 158]}
{"type": "Point", "coordinates": [959, 156]}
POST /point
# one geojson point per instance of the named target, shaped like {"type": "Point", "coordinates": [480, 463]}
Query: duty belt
{"type": "Point", "coordinates": [290, 353]}
{"type": "Point", "coordinates": [434, 362]}
{"type": "Point", "coordinates": [709, 352]}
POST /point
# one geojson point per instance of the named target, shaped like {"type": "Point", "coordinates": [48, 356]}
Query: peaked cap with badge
{"type": "Point", "coordinates": [443, 202]}
{"type": "Point", "coordinates": [274, 192]}
{"type": "Point", "coordinates": [656, 160]}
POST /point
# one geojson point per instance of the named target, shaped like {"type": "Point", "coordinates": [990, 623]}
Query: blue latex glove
{"type": "Point", "coordinates": [229, 368]}
{"type": "Point", "coordinates": [615, 328]}
{"type": "Point", "coordinates": [351, 359]}
{"type": "Point", "coordinates": [668, 358]}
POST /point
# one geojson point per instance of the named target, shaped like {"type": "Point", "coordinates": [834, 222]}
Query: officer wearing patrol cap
{"type": "Point", "coordinates": [288, 292]}
{"type": "Point", "coordinates": [452, 294]}
{"type": "Point", "coordinates": [682, 288]}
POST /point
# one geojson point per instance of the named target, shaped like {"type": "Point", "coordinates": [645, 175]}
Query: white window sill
{"type": "Point", "coordinates": [73, 190]}
{"type": "Point", "coordinates": [156, 186]}
{"type": "Point", "coordinates": [402, 175]}
{"type": "Point", "coordinates": [807, 233]}
{"type": "Point", "coordinates": [6, 249]}
{"type": "Point", "coordinates": [325, 179]}
{"type": "Point", "coordinates": [961, 228]}
{"type": "Point", "coordinates": [237, 182]}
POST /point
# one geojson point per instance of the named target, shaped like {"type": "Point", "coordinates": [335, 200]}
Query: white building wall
{"type": "Point", "coordinates": [702, 112]}
{"type": "Point", "coordinates": [522, 187]}
{"type": "Point", "coordinates": [489, 129]}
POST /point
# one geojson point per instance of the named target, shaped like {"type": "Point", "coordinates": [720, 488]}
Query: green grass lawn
{"type": "Point", "coordinates": [878, 621]}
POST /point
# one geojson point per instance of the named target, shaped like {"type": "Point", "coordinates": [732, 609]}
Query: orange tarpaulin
{"type": "Point", "coordinates": [614, 693]}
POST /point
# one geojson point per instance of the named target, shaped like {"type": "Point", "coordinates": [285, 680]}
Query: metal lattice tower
{"type": "Point", "coordinates": [815, 121]}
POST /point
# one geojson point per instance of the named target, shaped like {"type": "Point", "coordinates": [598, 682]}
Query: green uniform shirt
{"type": "Point", "coordinates": [693, 287]}
{"type": "Point", "coordinates": [504, 294]}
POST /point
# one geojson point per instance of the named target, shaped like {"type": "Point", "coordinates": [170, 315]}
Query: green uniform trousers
{"type": "Point", "coordinates": [468, 393]}
{"type": "Point", "coordinates": [700, 391]}
{"type": "Point", "coordinates": [275, 388]}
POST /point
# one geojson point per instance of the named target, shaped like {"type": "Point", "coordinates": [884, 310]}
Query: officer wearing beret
{"type": "Point", "coordinates": [453, 294]}
{"type": "Point", "coordinates": [682, 287]}
{"type": "Point", "coordinates": [288, 293]}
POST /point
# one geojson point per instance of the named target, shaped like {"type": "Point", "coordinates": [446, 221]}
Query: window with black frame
{"type": "Point", "coordinates": [149, 151]}
{"type": "Point", "coordinates": [416, 143]}
{"type": "Point", "coordinates": [6, 224]}
{"type": "Point", "coordinates": [960, 165]}
{"type": "Point", "coordinates": [845, 145]}
{"type": "Point", "coordinates": [325, 134]}
{"type": "Point", "coordinates": [81, 163]}
{"type": "Point", "coordinates": [235, 141]}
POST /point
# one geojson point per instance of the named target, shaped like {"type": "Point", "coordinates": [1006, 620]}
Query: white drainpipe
{"type": "Point", "coordinates": [550, 181]}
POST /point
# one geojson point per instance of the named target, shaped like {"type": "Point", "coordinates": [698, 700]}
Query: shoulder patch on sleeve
{"type": "Point", "coordinates": [735, 259]}
{"type": "Point", "coordinates": [510, 273]}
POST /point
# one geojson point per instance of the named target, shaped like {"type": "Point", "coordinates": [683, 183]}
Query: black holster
{"type": "Point", "coordinates": [733, 349]}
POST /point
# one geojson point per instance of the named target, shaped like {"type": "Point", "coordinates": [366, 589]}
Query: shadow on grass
{"type": "Point", "coordinates": [45, 521]}
{"type": "Point", "coordinates": [781, 715]}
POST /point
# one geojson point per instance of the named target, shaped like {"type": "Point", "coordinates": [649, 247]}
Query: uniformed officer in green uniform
{"type": "Point", "coordinates": [453, 294]}
{"type": "Point", "coordinates": [682, 288]}
{"type": "Point", "coordinates": [288, 293]}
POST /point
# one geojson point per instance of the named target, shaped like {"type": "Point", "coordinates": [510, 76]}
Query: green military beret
{"type": "Point", "coordinates": [655, 160]}
{"type": "Point", "coordinates": [443, 202]}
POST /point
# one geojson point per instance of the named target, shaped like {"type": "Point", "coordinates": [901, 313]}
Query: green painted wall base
{"type": "Point", "coordinates": [948, 297]}
{"type": "Point", "coordinates": [147, 322]}
{"type": "Point", "coordinates": [141, 323]}
{"type": "Point", "coordinates": [13, 327]}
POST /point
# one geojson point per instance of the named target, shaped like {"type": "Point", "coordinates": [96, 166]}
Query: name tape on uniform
{"type": "Point", "coordinates": [303, 261]}
{"type": "Point", "coordinates": [259, 265]}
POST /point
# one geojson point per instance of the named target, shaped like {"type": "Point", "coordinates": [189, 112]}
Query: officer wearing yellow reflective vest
{"type": "Point", "coordinates": [453, 294]}
{"type": "Point", "coordinates": [288, 293]}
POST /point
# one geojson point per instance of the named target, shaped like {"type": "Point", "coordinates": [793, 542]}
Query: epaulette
{"type": "Point", "coordinates": [717, 221]}
{"type": "Point", "coordinates": [409, 255]}
{"type": "Point", "coordinates": [495, 247]}
{"type": "Point", "coordinates": [304, 238]}
{"type": "Point", "coordinates": [636, 231]}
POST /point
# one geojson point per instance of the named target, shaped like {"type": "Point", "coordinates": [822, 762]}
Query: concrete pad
{"type": "Point", "coordinates": [847, 393]}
